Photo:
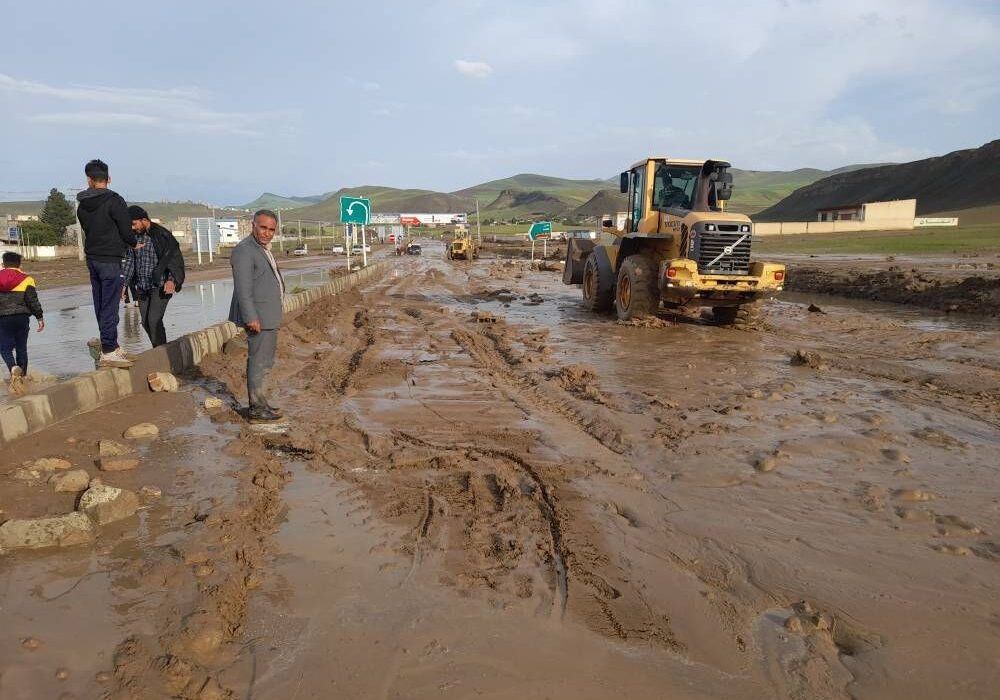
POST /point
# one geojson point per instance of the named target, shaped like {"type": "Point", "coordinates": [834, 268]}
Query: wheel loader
{"type": "Point", "coordinates": [678, 246]}
{"type": "Point", "coordinates": [462, 248]}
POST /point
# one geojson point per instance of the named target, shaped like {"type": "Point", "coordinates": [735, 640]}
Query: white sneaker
{"type": "Point", "coordinates": [115, 358]}
{"type": "Point", "coordinates": [16, 387]}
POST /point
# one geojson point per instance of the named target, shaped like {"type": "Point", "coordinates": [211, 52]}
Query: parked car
{"type": "Point", "coordinates": [337, 250]}
{"type": "Point", "coordinates": [413, 249]}
{"type": "Point", "coordinates": [356, 250]}
{"type": "Point", "coordinates": [301, 251]}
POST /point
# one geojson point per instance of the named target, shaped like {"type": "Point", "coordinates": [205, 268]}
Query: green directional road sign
{"type": "Point", "coordinates": [540, 229]}
{"type": "Point", "coordinates": [355, 210]}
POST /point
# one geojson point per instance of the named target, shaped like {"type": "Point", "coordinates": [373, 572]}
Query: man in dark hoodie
{"type": "Point", "coordinates": [155, 270]}
{"type": "Point", "coordinates": [18, 303]}
{"type": "Point", "coordinates": [107, 237]}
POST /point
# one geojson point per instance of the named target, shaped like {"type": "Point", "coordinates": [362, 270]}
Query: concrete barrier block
{"type": "Point", "coordinates": [37, 410]}
{"type": "Point", "coordinates": [84, 392]}
{"type": "Point", "coordinates": [13, 423]}
{"type": "Point", "coordinates": [104, 384]}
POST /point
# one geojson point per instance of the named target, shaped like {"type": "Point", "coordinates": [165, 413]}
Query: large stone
{"type": "Point", "coordinates": [51, 464]}
{"type": "Point", "coordinates": [110, 448]}
{"type": "Point", "coordinates": [73, 481]}
{"type": "Point", "coordinates": [59, 531]}
{"type": "Point", "coordinates": [142, 430]}
{"type": "Point", "coordinates": [107, 504]}
{"type": "Point", "coordinates": [162, 381]}
{"type": "Point", "coordinates": [118, 464]}
{"type": "Point", "coordinates": [214, 404]}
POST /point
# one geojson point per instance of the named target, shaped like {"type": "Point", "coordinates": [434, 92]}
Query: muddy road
{"type": "Point", "coordinates": [487, 491]}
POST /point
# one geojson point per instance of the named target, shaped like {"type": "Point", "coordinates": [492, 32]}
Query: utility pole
{"type": "Point", "coordinates": [479, 231]}
{"type": "Point", "coordinates": [281, 235]}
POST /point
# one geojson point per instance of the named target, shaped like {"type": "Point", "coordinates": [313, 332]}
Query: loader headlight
{"type": "Point", "coordinates": [745, 228]}
{"type": "Point", "coordinates": [709, 227]}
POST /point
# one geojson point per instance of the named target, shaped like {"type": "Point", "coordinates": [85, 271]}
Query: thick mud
{"type": "Point", "coordinates": [485, 490]}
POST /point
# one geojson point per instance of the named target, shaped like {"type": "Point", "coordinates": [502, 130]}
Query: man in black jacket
{"type": "Point", "coordinates": [156, 269]}
{"type": "Point", "coordinates": [107, 232]}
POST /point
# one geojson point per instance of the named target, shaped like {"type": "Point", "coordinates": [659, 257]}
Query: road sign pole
{"type": "Point", "coordinates": [281, 237]}
{"type": "Point", "coordinates": [364, 248]}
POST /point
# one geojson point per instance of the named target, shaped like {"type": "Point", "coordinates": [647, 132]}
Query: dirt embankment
{"type": "Point", "coordinates": [972, 294]}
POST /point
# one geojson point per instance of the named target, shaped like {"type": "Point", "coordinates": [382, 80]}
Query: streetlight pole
{"type": "Point", "coordinates": [479, 231]}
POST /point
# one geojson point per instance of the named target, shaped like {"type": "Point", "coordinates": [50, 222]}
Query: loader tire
{"type": "Point", "coordinates": [577, 251]}
{"type": "Point", "coordinates": [636, 292]}
{"type": "Point", "coordinates": [598, 282]}
{"type": "Point", "coordinates": [744, 316]}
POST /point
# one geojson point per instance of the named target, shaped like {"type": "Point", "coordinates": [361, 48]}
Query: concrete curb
{"type": "Point", "coordinates": [92, 390]}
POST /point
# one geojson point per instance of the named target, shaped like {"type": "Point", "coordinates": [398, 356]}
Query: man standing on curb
{"type": "Point", "coordinates": [258, 289]}
{"type": "Point", "coordinates": [155, 269]}
{"type": "Point", "coordinates": [107, 236]}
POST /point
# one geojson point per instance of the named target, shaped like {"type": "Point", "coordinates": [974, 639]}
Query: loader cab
{"type": "Point", "coordinates": [675, 187]}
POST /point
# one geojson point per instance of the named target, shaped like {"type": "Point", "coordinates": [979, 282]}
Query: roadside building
{"type": "Point", "coordinates": [898, 213]}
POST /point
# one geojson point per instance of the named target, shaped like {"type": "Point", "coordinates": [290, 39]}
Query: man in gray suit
{"type": "Point", "coordinates": [257, 292]}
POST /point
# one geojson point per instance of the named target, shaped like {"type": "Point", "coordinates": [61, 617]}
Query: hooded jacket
{"type": "Point", "coordinates": [18, 294]}
{"type": "Point", "coordinates": [107, 226]}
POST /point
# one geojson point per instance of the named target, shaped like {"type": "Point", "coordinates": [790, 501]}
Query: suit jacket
{"type": "Point", "coordinates": [256, 292]}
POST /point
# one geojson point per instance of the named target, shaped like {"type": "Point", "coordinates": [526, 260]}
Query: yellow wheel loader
{"type": "Point", "coordinates": [462, 248]}
{"type": "Point", "coordinates": [677, 246]}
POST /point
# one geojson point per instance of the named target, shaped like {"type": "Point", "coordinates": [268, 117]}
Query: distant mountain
{"type": "Point", "coordinates": [957, 181]}
{"type": "Point", "coordinates": [269, 200]}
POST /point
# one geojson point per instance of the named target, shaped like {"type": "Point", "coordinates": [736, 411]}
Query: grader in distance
{"type": "Point", "coordinates": [462, 247]}
{"type": "Point", "coordinates": [678, 246]}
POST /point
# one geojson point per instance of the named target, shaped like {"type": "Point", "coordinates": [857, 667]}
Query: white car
{"type": "Point", "coordinates": [356, 250]}
{"type": "Point", "coordinates": [337, 250]}
{"type": "Point", "coordinates": [300, 251]}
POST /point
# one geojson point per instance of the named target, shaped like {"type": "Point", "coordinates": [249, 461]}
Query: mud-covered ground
{"type": "Point", "coordinates": [547, 504]}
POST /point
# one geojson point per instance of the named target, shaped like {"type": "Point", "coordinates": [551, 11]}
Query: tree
{"type": "Point", "coordinates": [39, 233]}
{"type": "Point", "coordinates": [57, 213]}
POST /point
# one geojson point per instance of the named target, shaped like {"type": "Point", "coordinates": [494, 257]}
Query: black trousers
{"type": "Point", "coordinates": [152, 307]}
{"type": "Point", "coordinates": [14, 341]}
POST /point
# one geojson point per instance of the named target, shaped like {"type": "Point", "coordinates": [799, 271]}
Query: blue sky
{"type": "Point", "coordinates": [218, 101]}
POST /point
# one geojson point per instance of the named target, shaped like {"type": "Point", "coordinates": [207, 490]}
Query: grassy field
{"type": "Point", "coordinates": [981, 238]}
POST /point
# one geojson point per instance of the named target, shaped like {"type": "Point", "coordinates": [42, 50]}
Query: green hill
{"type": "Point", "coordinates": [269, 200]}
{"type": "Point", "coordinates": [959, 180]}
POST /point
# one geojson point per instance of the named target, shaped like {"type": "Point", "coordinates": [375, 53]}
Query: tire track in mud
{"type": "Point", "coordinates": [492, 352]}
{"type": "Point", "coordinates": [471, 506]}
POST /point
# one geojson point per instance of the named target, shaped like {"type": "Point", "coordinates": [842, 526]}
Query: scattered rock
{"type": "Point", "coordinates": [484, 317]}
{"type": "Point", "coordinates": [203, 570]}
{"type": "Point", "coordinates": [955, 549]}
{"type": "Point", "coordinates": [149, 493]}
{"type": "Point", "coordinates": [27, 474]}
{"type": "Point", "coordinates": [815, 309]}
{"type": "Point", "coordinates": [102, 677]}
{"type": "Point", "coordinates": [31, 643]}
{"type": "Point", "coordinates": [894, 455]}
{"type": "Point", "coordinates": [38, 533]}
{"type": "Point", "coordinates": [110, 448]}
{"type": "Point", "coordinates": [108, 504]}
{"type": "Point", "coordinates": [62, 674]}
{"type": "Point", "coordinates": [72, 481]}
{"type": "Point", "coordinates": [51, 464]}
{"type": "Point", "coordinates": [912, 495]}
{"type": "Point", "coordinates": [141, 430]}
{"type": "Point", "coordinates": [235, 345]}
{"type": "Point", "coordinates": [162, 381]}
{"type": "Point", "coordinates": [808, 358]}
{"type": "Point", "coordinates": [213, 403]}
{"type": "Point", "coordinates": [118, 464]}
{"type": "Point", "coordinates": [765, 463]}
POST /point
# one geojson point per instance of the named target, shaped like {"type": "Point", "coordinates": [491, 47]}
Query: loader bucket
{"type": "Point", "coordinates": [577, 250]}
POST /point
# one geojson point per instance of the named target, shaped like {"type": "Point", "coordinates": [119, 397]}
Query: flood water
{"type": "Point", "coordinates": [61, 349]}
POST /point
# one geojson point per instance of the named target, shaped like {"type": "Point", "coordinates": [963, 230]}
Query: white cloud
{"type": "Point", "coordinates": [181, 109]}
{"type": "Point", "coordinates": [473, 69]}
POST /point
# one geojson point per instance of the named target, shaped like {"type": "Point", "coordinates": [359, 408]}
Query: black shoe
{"type": "Point", "coordinates": [263, 415]}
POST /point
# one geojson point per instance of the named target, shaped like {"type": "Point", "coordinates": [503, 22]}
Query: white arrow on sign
{"type": "Point", "coordinates": [350, 209]}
